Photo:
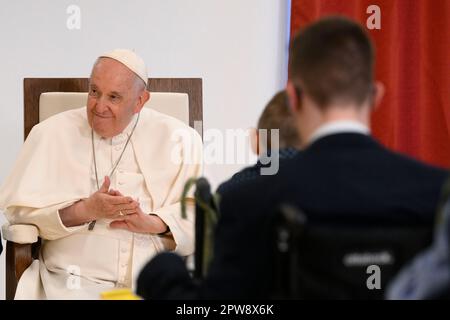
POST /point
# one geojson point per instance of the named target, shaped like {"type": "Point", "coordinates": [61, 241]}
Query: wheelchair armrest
{"type": "Point", "coordinates": [20, 233]}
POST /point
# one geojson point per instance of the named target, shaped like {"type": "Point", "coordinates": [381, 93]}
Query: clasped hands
{"type": "Point", "coordinates": [111, 204]}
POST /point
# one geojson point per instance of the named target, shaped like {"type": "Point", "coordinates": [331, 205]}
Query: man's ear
{"type": "Point", "coordinates": [254, 140]}
{"type": "Point", "coordinates": [142, 99]}
{"type": "Point", "coordinates": [378, 94]}
{"type": "Point", "coordinates": [293, 98]}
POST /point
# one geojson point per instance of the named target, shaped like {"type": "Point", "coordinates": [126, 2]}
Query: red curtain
{"type": "Point", "coordinates": [413, 61]}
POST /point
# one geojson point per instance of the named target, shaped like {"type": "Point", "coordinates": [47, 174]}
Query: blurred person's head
{"type": "Point", "coordinates": [331, 71]}
{"type": "Point", "coordinates": [276, 115]}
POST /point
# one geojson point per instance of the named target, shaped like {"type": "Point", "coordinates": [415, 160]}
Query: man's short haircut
{"type": "Point", "coordinates": [332, 61]}
{"type": "Point", "coordinates": [277, 115]}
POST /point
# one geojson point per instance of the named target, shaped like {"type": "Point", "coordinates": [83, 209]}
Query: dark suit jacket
{"type": "Point", "coordinates": [345, 178]}
{"type": "Point", "coordinates": [253, 172]}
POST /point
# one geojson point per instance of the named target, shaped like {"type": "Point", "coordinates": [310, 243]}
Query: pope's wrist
{"type": "Point", "coordinates": [83, 211]}
{"type": "Point", "coordinates": [161, 222]}
{"type": "Point", "coordinates": [164, 232]}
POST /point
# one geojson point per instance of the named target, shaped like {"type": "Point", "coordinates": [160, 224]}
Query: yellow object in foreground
{"type": "Point", "coordinates": [119, 294]}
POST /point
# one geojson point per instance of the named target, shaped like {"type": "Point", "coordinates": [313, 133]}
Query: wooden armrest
{"type": "Point", "coordinates": [18, 259]}
{"type": "Point", "coordinates": [21, 247]}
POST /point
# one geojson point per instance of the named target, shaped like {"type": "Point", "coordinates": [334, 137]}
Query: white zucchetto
{"type": "Point", "coordinates": [131, 60]}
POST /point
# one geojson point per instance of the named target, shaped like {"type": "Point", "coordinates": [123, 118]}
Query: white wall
{"type": "Point", "coordinates": [238, 48]}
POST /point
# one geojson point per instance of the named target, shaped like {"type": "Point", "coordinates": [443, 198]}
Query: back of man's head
{"type": "Point", "coordinates": [332, 61]}
{"type": "Point", "coordinates": [277, 115]}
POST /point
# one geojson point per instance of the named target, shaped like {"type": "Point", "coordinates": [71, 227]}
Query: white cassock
{"type": "Point", "coordinates": [55, 168]}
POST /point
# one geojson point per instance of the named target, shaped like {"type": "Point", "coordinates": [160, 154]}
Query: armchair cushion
{"type": "Point", "coordinates": [170, 103]}
{"type": "Point", "coordinates": [20, 233]}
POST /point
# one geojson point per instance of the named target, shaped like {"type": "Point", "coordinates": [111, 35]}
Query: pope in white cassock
{"type": "Point", "coordinates": [102, 186]}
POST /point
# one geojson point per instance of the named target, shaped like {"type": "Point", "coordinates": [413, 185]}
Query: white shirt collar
{"type": "Point", "coordinates": [341, 126]}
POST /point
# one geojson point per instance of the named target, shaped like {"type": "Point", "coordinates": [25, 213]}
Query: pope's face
{"type": "Point", "coordinates": [115, 95]}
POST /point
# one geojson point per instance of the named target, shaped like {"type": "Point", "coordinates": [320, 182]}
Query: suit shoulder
{"type": "Point", "coordinates": [260, 192]}
{"type": "Point", "coordinates": [419, 166]}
